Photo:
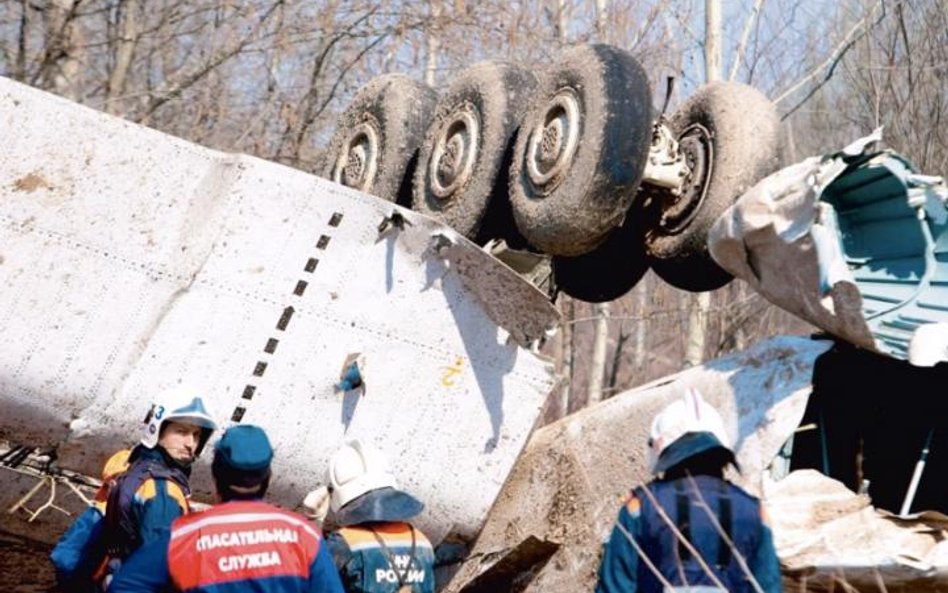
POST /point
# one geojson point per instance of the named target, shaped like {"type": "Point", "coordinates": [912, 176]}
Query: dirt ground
{"type": "Point", "coordinates": [24, 565]}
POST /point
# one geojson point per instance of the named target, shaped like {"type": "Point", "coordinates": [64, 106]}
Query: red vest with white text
{"type": "Point", "coordinates": [240, 541]}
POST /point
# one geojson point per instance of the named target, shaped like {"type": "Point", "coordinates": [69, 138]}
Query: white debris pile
{"type": "Point", "coordinates": [824, 531]}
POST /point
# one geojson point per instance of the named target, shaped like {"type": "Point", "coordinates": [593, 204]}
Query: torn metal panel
{"type": "Point", "coordinates": [827, 535]}
{"type": "Point", "coordinates": [502, 291]}
{"type": "Point", "coordinates": [568, 485]}
{"type": "Point", "coordinates": [855, 243]}
{"type": "Point", "coordinates": [515, 569]}
{"type": "Point", "coordinates": [132, 261]}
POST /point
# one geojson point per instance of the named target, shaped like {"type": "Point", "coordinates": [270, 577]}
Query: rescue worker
{"type": "Point", "coordinates": [689, 450]}
{"type": "Point", "coordinates": [241, 544]}
{"type": "Point", "coordinates": [154, 490]}
{"type": "Point", "coordinates": [80, 552]}
{"type": "Point", "coordinates": [374, 547]}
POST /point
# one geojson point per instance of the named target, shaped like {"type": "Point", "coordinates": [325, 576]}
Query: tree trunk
{"type": "Point", "coordinates": [697, 329]}
{"type": "Point", "coordinates": [698, 315]}
{"type": "Point", "coordinates": [641, 303]}
{"type": "Point", "coordinates": [61, 64]}
{"type": "Point", "coordinates": [712, 40]}
{"type": "Point", "coordinates": [597, 364]}
{"type": "Point", "coordinates": [124, 52]}
{"type": "Point", "coordinates": [611, 388]}
{"type": "Point", "coordinates": [568, 355]}
{"type": "Point", "coordinates": [19, 73]}
{"type": "Point", "coordinates": [434, 43]}
{"type": "Point", "coordinates": [559, 14]}
{"type": "Point", "coordinates": [601, 16]}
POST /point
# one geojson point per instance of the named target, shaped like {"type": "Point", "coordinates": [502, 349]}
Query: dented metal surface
{"type": "Point", "coordinates": [132, 260]}
{"type": "Point", "coordinates": [567, 487]}
{"type": "Point", "coordinates": [855, 243]}
{"type": "Point", "coordinates": [502, 291]}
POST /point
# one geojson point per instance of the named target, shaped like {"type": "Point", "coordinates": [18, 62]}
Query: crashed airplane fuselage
{"type": "Point", "coordinates": [855, 242]}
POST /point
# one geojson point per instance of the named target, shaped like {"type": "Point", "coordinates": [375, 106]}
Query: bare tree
{"type": "Point", "coordinates": [698, 316]}
{"type": "Point", "coordinates": [597, 363]}
{"type": "Point", "coordinates": [431, 66]}
{"type": "Point", "coordinates": [125, 42]}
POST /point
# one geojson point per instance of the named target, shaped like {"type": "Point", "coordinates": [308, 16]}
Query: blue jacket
{"type": "Point", "coordinates": [79, 552]}
{"type": "Point", "coordinates": [233, 547]}
{"type": "Point", "coordinates": [738, 514]}
{"type": "Point", "coordinates": [383, 557]}
{"type": "Point", "coordinates": [151, 494]}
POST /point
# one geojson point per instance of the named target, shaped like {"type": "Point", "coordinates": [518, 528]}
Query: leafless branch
{"type": "Point", "coordinates": [681, 538]}
{"type": "Point", "coordinates": [745, 35]}
{"type": "Point", "coordinates": [857, 31]}
{"type": "Point", "coordinates": [703, 505]}
{"type": "Point", "coordinates": [176, 88]}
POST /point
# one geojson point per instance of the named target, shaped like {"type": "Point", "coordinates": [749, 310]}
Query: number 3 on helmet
{"type": "Point", "coordinates": [182, 404]}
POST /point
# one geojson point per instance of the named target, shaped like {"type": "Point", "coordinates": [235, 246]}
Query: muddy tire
{"type": "Point", "coordinates": [581, 151]}
{"type": "Point", "coordinates": [693, 274]}
{"type": "Point", "coordinates": [465, 157]}
{"type": "Point", "coordinates": [607, 272]}
{"type": "Point", "coordinates": [728, 133]}
{"type": "Point", "coordinates": [375, 146]}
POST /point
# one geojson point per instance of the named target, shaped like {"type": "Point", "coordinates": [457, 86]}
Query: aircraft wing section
{"type": "Point", "coordinates": [132, 261]}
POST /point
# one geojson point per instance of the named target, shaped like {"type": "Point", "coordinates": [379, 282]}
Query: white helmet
{"type": "Point", "coordinates": [355, 469]}
{"type": "Point", "coordinates": [690, 414]}
{"type": "Point", "coordinates": [182, 404]}
{"type": "Point", "coordinates": [929, 345]}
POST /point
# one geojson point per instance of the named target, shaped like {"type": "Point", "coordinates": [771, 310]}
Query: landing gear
{"type": "Point", "coordinates": [465, 158]}
{"type": "Point", "coordinates": [376, 143]}
{"type": "Point", "coordinates": [721, 142]}
{"type": "Point", "coordinates": [581, 151]}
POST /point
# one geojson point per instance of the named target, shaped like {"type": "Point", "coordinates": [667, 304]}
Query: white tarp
{"type": "Point", "coordinates": [131, 261]}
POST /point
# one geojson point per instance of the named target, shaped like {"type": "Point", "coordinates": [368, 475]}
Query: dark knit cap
{"type": "Point", "coordinates": [242, 457]}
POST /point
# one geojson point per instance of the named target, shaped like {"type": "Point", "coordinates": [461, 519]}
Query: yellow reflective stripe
{"type": "Point", "coordinates": [633, 505]}
{"type": "Point", "coordinates": [149, 490]}
{"type": "Point", "coordinates": [394, 535]}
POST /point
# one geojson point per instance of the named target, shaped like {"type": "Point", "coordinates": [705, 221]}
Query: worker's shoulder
{"type": "Point", "coordinates": [152, 487]}
{"type": "Point", "coordinates": [243, 515]}
{"type": "Point", "coordinates": [392, 533]}
{"type": "Point", "coordinates": [739, 492]}
{"type": "Point", "coordinates": [705, 485]}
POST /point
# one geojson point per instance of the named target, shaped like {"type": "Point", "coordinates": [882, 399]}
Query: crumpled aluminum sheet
{"type": "Point", "coordinates": [828, 535]}
{"type": "Point", "coordinates": [773, 239]}
{"type": "Point", "coordinates": [790, 245]}
{"type": "Point", "coordinates": [570, 482]}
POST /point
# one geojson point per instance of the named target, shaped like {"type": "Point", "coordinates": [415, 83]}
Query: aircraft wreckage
{"type": "Point", "coordinates": [132, 260]}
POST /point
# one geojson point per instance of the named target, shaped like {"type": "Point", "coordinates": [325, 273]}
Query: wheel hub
{"type": "Point", "coordinates": [454, 153]}
{"type": "Point", "coordinates": [552, 143]}
{"type": "Point", "coordinates": [357, 164]}
{"type": "Point", "coordinates": [698, 151]}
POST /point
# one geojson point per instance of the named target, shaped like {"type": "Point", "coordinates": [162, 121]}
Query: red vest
{"type": "Point", "coordinates": [237, 541]}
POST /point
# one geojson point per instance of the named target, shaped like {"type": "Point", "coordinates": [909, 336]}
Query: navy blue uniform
{"type": "Point", "coordinates": [739, 515]}
{"type": "Point", "coordinates": [383, 558]}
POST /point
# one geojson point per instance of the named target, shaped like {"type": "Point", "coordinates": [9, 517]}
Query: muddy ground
{"type": "Point", "coordinates": [24, 544]}
{"type": "Point", "coordinates": [24, 565]}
